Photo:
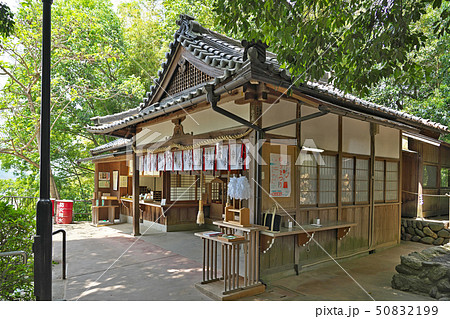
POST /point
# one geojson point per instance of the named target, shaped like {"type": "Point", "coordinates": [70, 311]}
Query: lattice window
{"type": "Point", "coordinates": [327, 180]}
{"type": "Point", "coordinates": [362, 180]}
{"type": "Point", "coordinates": [186, 76]}
{"type": "Point", "coordinates": [348, 177]}
{"type": "Point", "coordinates": [379, 181]}
{"type": "Point", "coordinates": [183, 187]}
{"type": "Point", "coordinates": [187, 187]}
{"type": "Point", "coordinates": [391, 181]}
{"type": "Point", "coordinates": [308, 180]}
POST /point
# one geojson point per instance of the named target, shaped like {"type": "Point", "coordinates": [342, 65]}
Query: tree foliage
{"type": "Point", "coordinates": [16, 229]}
{"type": "Point", "coordinates": [6, 20]}
{"type": "Point", "coordinates": [149, 27]}
{"type": "Point", "coordinates": [87, 80]}
{"type": "Point", "coordinates": [361, 42]}
{"type": "Point", "coordinates": [428, 97]}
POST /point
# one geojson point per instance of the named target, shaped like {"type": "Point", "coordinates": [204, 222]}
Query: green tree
{"type": "Point", "coordinates": [361, 42]}
{"type": "Point", "coordinates": [16, 229]}
{"type": "Point", "coordinates": [87, 80]}
{"type": "Point", "coordinates": [149, 27]}
{"type": "Point", "coordinates": [429, 95]}
{"type": "Point", "coordinates": [6, 20]}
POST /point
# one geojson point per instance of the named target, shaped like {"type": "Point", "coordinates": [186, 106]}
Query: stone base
{"type": "Point", "coordinates": [214, 290]}
{"type": "Point", "coordinates": [426, 231]}
{"type": "Point", "coordinates": [426, 272]}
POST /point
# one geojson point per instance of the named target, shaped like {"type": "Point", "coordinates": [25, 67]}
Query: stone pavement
{"type": "Point", "coordinates": [107, 263]}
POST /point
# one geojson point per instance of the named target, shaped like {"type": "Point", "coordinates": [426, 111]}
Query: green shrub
{"type": "Point", "coordinates": [17, 227]}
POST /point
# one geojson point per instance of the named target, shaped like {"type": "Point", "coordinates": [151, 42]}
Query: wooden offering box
{"type": "Point", "coordinates": [243, 216]}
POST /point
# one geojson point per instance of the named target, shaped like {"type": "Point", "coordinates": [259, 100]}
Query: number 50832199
{"type": "Point", "coordinates": [407, 310]}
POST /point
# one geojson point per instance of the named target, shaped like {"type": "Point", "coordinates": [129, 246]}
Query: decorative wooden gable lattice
{"type": "Point", "coordinates": [186, 76]}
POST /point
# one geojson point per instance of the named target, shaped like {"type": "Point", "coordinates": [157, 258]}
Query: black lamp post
{"type": "Point", "coordinates": [42, 247]}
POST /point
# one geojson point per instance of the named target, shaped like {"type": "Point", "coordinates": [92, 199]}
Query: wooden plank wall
{"type": "Point", "coordinates": [429, 155]}
{"type": "Point", "coordinates": [326, 239]}
{"type": "Point", "coordinates": [431, 205]}
{"type": "Point", "coordinates": [410, 162]}
{"type": "Point", "coordinates": [286, 202]}
{"type": "Point", "coordinates": [358, 237]}
{"type": "Point", "coordinates": [386, 220]}
{"type": "Point", "coordinates": [285, 252]}
{"type": "Point", "coordinates": [181, 215]}
{"type": "Point", "coordinates": [110, 167]}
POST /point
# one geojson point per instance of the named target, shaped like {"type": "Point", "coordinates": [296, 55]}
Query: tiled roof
{"type": "Point", "coordinates": [111, 146]}
{"type": "Point", "coordinates": [226, 54]}
{"type": "Point", "coordinates": [333, 92]}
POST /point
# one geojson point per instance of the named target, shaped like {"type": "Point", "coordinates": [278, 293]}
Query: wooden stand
{"type": "Point", "coordinates": [107, 202]}
{"type": "Point", "coordinates": [231, 285]}
{"type": "Point", "coordinates": [243, 216]}
{"type": "Point", "coordinates": [236, 281]}
{"type": "Point", "coordinates": [111, 213]}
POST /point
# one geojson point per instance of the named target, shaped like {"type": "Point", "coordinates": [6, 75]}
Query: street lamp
{"type": "Point", "coordinates": [42, 246]}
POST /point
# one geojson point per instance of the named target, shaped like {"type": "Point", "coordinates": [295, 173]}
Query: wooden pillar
{"type": "Point", "coordinates": [339, 178]}
{"type": "Point", "coordinates": [256, 118]}
{"type": "Point", "coordinates": [135, 178]}
{"type": "Point", "coordinates": [399, 188]}
{"type": "Point", "coordinates": [373, 132]}
{"type": "Point", "coordinates": [420, 181]}
{"type": "Point", "coordinates": [339, 170]}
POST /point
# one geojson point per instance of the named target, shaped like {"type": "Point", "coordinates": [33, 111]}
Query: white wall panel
{"type": "Point", "coordinates": [278, 113]}
{"type": "Point", "coordinates": [355, 136]}
{"type": "Point", "coordinates": [322, 130]}
{"type": "Point", "coordinates": [387, 142]}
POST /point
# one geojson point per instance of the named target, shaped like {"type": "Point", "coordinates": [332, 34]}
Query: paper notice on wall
{"type": "Point", "coordinates": [280, 175]}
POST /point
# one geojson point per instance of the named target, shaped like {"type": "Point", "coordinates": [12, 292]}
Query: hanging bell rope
{"type": "Point", "coordinates": [200, 215]}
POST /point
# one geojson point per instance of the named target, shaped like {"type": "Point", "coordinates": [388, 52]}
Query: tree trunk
{"type": "Point", "coordinates": [53, 189]}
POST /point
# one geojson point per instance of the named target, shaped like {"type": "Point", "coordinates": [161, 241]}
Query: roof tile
{"type": "Point", "coordinates": [226, 53]}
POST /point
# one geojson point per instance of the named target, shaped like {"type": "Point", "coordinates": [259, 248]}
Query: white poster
{"type": "Point", "coordinates": [115, 180]}
{"type": "Point", "coordinates": [198, 157]}
{"type": "Point", "coordinates": [209, 158]}
{"type": "Point", "coordinates": [169, 161]}
{"type": "Point", "coordinates": [123, 181]}
{"type": "Point", "coordinates": [247, 155]}
{"type": "Point", "coordinates": [141, 163]}
{"type": "Point", "coordinates": [147, 163]}
{"type": "Point", "coordinates": [161, 162]}
{"type": "Point", "coordinates": [222, 157]}
{"type": "Point", "coordinates": [236, 156]}
{"type": "Point", "coordinates": [280, 175]}
{"type": "Point", "coordinates": [187, 160]}
{"type": "Point", "coordinates": [178, 161]}
{"type": "Point", "coordinates": [154, 162]}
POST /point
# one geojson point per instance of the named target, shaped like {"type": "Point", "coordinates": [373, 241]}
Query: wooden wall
{"type": "Point", "coordinates": [410, 187]}
{"type": "Point", "coordinates": [177, 217]}
{"type": "Point", "coordinates": [371, 231]}
{"type": "Point", "coordinates": [426, 154]}
{"type": "Point", "coordinates": [287, 203]}
{"type": "Point", "coordinates": [327, 239]}
{"type": "Point", "coordinates": [358, 237]}
{"type": "Point", "coordinates": [110, 166]}
{"type": "Point", "coordinates": [387, 225]}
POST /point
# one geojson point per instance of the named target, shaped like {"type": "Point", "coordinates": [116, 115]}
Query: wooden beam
{"type": "Point", "coordinates": [120, 158]}
{"type": "Point", "coordinates": [173, 115]}
{"type": "Point", "coordinates": [135, 179]}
